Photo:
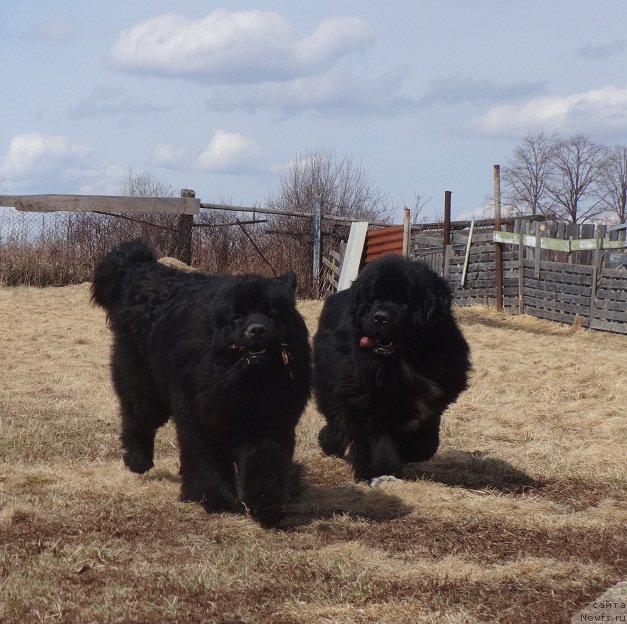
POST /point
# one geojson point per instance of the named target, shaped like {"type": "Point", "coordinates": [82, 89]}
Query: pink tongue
{"type": "Point", "coordinates": [366, 342]}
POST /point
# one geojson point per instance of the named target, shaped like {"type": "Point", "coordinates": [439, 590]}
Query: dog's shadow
{"type": "Point", "coordinates": [320, 502]}
{"type": "Point", "coordinates": [472, 470]}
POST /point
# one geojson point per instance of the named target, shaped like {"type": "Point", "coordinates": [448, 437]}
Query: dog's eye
{"type": "Point", "coordinates": [237, 318]}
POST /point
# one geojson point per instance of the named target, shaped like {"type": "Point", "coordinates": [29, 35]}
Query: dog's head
{"type": "Point", "coordinates": [394, 304]}
{"type": "Point", "coordinates": [256, 322]}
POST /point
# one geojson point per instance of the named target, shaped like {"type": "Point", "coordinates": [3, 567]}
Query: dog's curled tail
{"type": "Point", "coordinates": [111, 270]}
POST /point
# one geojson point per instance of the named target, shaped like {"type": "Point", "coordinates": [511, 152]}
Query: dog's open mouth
{"type": "Point", "coordinates": [248, 356]}
{"type": "Point", "coordinates": [380, 348]}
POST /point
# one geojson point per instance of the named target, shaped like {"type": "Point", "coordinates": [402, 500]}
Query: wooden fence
{"type": "Point", "coordinates": [331, 267]}
{"type": "Point", "coordinates": [563, 279]}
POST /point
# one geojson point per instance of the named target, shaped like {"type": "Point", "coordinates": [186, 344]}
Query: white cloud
{"type": "Point", "coordinates": [335, 91]}
{"type": "Point", "coordinates": [229, 152]}
{"type": "Point", "coordinates": [230, 47]}
{"type": "Point", "coordinates": [56, 163]}
{"type": "Point", "coordinates": [332, 39]}
{"type": "Point", "coordinates": [35, 153]}
{"type": "Point", "coordinates": [599, 108]}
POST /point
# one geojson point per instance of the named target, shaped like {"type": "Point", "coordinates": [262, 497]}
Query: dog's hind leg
{"type": "Point", "coordinates": [140, 421]}
{"type": "Point", "coordinates": [266, 476]}
{"type": "Point", "coordinates": [141, 408]}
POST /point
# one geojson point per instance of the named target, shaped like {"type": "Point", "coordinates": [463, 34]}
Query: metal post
{"type": "Point", "coordinates": [316, 242]}
{"type": "Point", "coordinates": [446, 232]}
{"type": "Point", "coordinates": [497, 227]}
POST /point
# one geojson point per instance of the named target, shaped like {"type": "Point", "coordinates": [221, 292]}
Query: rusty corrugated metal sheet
{"type": "Point", "coordinates": [384, 241]}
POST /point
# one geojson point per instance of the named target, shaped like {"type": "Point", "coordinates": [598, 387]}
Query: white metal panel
{"type": "Point", "coordinates": [352, 257]}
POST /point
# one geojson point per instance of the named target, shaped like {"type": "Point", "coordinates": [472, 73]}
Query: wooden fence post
{"type": "Point", "coordinates": [182, 244]}
{"type": "Point", "coordinates": [467, 256]}
{"type": "Point", "coordinates": [316, 242]}
{"type": "Point", "coordinates": [406, 233]}
{"type": "Point", "coordinates": [499, 248]}
{"type": "Point", "coordinates": [596, 267]}
{"type": "Point", "coordinates": [521, 269]}
{"type": "Point", "coordinates": [447, 262]}
{"type": "Point", "coordinates": [538, 253]}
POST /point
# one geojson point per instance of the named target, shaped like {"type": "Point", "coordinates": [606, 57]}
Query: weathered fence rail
{"type": "Point", "coordinates": [103, 203]}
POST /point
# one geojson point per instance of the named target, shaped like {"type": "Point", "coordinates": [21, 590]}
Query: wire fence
{"type": "Point", "coordinates": [61, 248]}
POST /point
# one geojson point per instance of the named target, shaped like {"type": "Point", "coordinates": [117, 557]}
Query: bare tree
{"type": "Point", "coordinates": [526, 175]}
{"type": "Point", "coordinates": [170, 233]}
{"type": "Point", "coordinates": [344, 189]}
{"type": "Point", "coordinates": [420, 203]}
{"type": "Point", "coordinates": [577, 165]}
{"type": "Point", "coordinates": [144, 184]}
{"type": "Point", "coordinates": [613, 182]}
{"type": "Point", "coordinates": [342, 184]}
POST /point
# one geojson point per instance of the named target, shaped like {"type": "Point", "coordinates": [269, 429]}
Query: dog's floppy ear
{"type": "Point", "coordinates": [442, 299]}
{"type": "Point", "coordinates": [290, 280]}
{"type": "Point", "coordinates": [436, 303]}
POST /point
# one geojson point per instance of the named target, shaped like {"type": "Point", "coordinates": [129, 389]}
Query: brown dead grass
{"type": "Point", "coordinates": [520, 517]}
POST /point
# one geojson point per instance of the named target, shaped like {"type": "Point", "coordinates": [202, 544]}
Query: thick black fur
{"type": "Point", "coordinates": [226, 357]}
{"type": "Point", "coordinates": [388, 359]}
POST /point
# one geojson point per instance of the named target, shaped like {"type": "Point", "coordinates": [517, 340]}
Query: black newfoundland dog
{"type": "Point", "coordinates": [226, 357]}
{"type": "Point", "coordinates": [388, 359]}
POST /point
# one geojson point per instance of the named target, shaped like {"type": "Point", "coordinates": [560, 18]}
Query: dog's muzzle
{"type": "Point", "coordinates": [250, 357]}
{"type": "Point", "coordinates": [386, 349]}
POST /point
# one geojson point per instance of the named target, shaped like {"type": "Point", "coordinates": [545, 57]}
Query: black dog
{"type": "Point", "coordinates": [226, 357]}
{"type": "Point", "coordinates": [388, 359]}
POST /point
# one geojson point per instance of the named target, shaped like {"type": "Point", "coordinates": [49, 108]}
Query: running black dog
{"type": "Point", "coordinates": [388, 359]}
{"type": "Point", "coordinates": [226, 357]}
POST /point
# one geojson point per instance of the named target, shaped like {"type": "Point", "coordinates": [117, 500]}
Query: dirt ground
{"type": "Point", "coordinates": [520, 517]}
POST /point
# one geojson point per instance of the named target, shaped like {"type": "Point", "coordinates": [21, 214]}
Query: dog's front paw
{"type": "Point", "coordinates": [377, 481]}
{"type": "Point", "coordinates": [268, 516]}
{"type": "Point", "coordinates": [214, 498]}
{"type": "Point", "coordinates": [137, 461]}
{"type": "Point", "coordinates": [266, 480]}
{"type": "Point", "coordinates": [330, 443]}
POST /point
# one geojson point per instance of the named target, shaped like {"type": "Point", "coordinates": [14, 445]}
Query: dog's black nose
{"type": "Point", "coordinates": [380, 317]}
{"type": "Point", "coordinates": [255, 330]}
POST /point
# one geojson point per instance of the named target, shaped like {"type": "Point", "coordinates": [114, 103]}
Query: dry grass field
{"type": "Point", "coordinates": [521, 517]}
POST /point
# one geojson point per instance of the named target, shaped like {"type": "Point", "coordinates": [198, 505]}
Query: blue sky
{"type": "Point", "coordinates": [219, 97]}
